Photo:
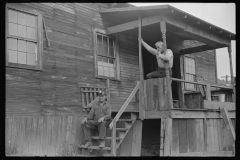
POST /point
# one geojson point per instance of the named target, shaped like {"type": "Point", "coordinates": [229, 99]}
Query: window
{"type": "Point", "coordinates": [23, 38]}
{"type": "Point", "coordinates": [106, 57]}
{"type": "Point", "coordinates": [190, 72]}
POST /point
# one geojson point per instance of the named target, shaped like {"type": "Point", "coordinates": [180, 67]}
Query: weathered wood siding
{"type": "Point", "coordinates": [199, 135]}
{"type": "Point", "coordinates": [44, 108]}
{"type": "Point", "coordinates": [68, 63]}
{"type": "Point", "coordinates": [42, 135]}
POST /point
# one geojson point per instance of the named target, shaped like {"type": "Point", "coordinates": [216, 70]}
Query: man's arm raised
{"type": "Point", "coordinates": [149, 48]}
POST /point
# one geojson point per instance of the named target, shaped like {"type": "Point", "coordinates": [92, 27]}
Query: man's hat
{"type": "Point", "coordinates": [102, 92]}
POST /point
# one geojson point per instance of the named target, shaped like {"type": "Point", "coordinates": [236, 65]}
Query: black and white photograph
{"type": "Point", "coordinates": [85, 79]}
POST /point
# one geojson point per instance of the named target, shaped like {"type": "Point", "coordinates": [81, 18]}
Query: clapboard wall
{"type": "Point", "coordinates": [68, 64]}
{"type": "Point", "coordinates": [44, 108]}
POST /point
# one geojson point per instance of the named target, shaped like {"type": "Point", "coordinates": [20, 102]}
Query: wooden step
{"type": "Point", "coordinates": [126, 120]}
{"type": "Point", "coordinates": [97, 137]}
{"type": "Point", "coordinates": [122, 129]}
{"type": "Point", "coordinates": [97, 148]}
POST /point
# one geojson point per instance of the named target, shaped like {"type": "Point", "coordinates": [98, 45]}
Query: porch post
{"type": "Point", "coordinates": [141, 95]}
{"type": "Point", "coordinates": [168, 79]}
{"type": "Point", "coordinates": [231, 72]}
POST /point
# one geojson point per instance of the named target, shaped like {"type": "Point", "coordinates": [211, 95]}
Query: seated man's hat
{"type": "Point", "coordinates": [102, 92]}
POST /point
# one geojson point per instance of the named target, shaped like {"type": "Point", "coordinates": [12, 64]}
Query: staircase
{"type": "Point", "coordinates": [118, 129]}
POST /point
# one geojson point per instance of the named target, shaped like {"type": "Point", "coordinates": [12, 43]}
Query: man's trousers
{"type": "Point", "coordinates": [95, 125]}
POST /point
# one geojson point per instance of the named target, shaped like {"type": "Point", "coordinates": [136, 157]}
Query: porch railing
{"type": "Point", "coordinates": [125, 105]}
{"type": "Point", "coordinates": [208, 86]}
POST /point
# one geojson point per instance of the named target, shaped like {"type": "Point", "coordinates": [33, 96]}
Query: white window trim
{"type": "Point", "coordinates": [39, 38]}
{"type": "Point", "coordinates": [117, 68]}
{"type": "Point", "coordinates": [189, 89]}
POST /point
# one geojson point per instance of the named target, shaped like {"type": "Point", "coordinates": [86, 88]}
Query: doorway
{"type": "Point", "coordinates": [151, 137]}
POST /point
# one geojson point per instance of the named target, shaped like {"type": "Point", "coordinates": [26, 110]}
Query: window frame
{"type": "Point", "coordinates": [39, 37]}
{"type": "Point", "coordinates": [185, 73]}
{"type": "Point", "coordinates": [97, 31]}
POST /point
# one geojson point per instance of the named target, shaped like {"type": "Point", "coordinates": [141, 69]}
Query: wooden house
{"type": "Point", "coordinates": [58, 55]}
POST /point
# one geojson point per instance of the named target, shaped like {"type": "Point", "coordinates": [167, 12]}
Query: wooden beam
{"type": "Point", "coordinates": [208, 92]}
{"type": "Point", "coordinates": [198, 114]}
{"type": "Point", "coordinates": [162, 137]}
{"type": "Point", "coordinates": [227, 121]}
{"type": "Point", "coordinates": [196, 33]}
{"type": "Point", "coordinates": [113, 147]}
{"type": "Point", "coordinates": [219, 105]}
{"type": "Point", "coordinates": [168, 137]}
{"type": "Point", "coordinates": [134, 24]}
{"type": "Point", "coordinates": [231, 72]}
{"type": "Point", "coordinates": [154, 114]}
{"type": "Point", "coordinates": [196, 49]}
{"type": "Point", "coordinates": [141, 87]}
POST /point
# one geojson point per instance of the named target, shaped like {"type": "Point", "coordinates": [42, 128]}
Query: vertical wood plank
{"type": "Point", "coordinates": [137, 138]}
{"type": "Point", "coordinates": [41, 153]}
{"type": "Point", "coordinates": [215, 135]}
{"type": "Point", "coordinates": [199, 135]}
{"type": "Point", "coordinates": [162, 137]}
{"type": "Point", "coordinates": [231, 72]}
{"type": "Point", "coordinates": [210, 134]}
{"type": "Point", "coordinates": [175, 136]}
{"type": "Point", "coordinates": [168, 137]}
{"type": "Point", "coordinates": [87, 97]}
{"type": "Point", "coordinates": [83, 101]}
{"type": "Point", "coordinates": [208, 93]}
{"type": "Point", "coordinates": [183, 142]}
{"type": "Point", "coordinates": [219, 130]}
{"type": "Point", "coordinates": [191, 133]}
{"type": "Point", "coordinates": [114, 138]}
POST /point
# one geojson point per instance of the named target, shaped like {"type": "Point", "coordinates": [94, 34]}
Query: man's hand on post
{"type": "Point", "coordinates": [84, 120]}
{"type": "Point", "coordinates": [101, 119]}
{"type": "Point", "coordinates": [140, 39]}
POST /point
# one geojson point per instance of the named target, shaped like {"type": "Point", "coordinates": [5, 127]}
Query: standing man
{"type": "Point", "coordinates": [163, 58]}
{"type": "Point", "coordinates": [98, 118]}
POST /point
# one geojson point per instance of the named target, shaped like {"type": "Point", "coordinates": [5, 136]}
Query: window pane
{"type": "Point", "coordinates": [187, 71]}
{"type": "Point", "coordinates": [105, 61]}
{"type": "Point", "coordinates": [99, 39]}
{"type": "Point", "coordinates": [22, 45]}
{"type": "Point", "coordinates": [31, 33]}
{"type": "Point", "coordinates": [12, 56]}
{"type": "Point", "coordinates": [22, 19]}
{"type": "Point", "coordinates": [31, 59]}
{"type": "Point", "coordinates": [31, 21]}
{"type": "Point", "coordinates": [100, 50]}
{"type": "Point", "coordinates": [111, 62]}
{"type": "Point", "coordinates": [12, 44]}
{"type": "Point", "coordinates": [110, 42]}
{"type": "Point", "coordinates": [12, 29]}
{"type": "Point", "coordinates": [111, 72]}
{"type": "Point", "coordinates": [106, 71]}
{"type": "Point", "coordinates": [12, 16]}
{"type": "Point", "coordinates": [105, 43]}
{"type": "Point", "coordinates": [100, 70]}
{"type": "Point", "coordinates": [111, 52]}
{"type": "Point", "coordinates": [21, 57]}
{"type": "Point", "coordinates": [186, 61]}
{"type": "Point", "coordinates": [22, 31]}
{"type": "Point", "coordinates": [31, 47]}
{"type": "Point", "coordinates": [100, 61]}
{"type": "Point", "coordinates": [105, 50]}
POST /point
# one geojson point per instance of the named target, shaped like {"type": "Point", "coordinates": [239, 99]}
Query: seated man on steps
{"type": "Point", "coordinates": [163, 59]}
{"type": "Point", "coordinates": [98, 118]}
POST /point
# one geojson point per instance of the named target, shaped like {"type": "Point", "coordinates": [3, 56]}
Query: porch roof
{"type": "Point", "coordinates": [119, 16]}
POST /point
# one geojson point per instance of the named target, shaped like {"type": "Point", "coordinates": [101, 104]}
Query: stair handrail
{"type": "Point", "coordinates": [125, 104]}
